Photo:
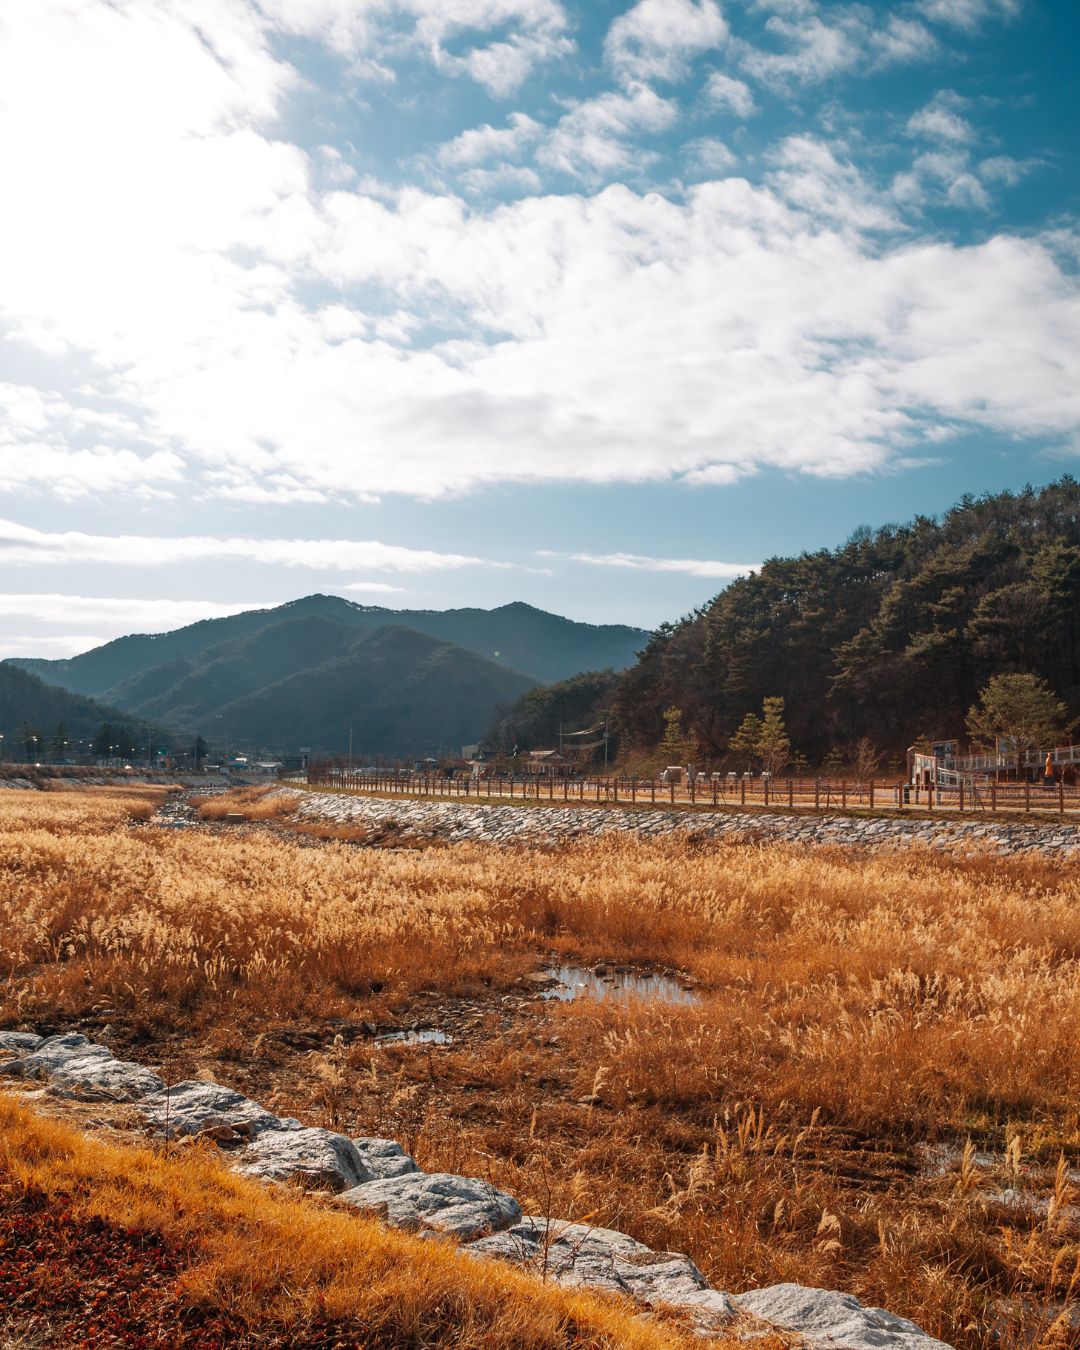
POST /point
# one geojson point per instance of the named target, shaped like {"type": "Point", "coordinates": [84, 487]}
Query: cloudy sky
{"type": "Point", "coordinates": [583, 302]}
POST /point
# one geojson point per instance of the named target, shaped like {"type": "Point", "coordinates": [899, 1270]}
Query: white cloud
{"type": "Point", "coordinates": [940, 120]}
{"type": "Point", "coordinates": [223, 318]}
{"type": "Point", "coordinates": [809, 174]}
{"type": "Point", "coordinates": [694, 567]}
{"type": "Point", "coordinates": [818, 43]}
{"type": "Point", "coordinates": [725, 92]}
{"type": "Point", "coordinates": [373, 588]}
{"type": "Point", "coordinates": [655, 39]}
{"type": "Point", "coordinates": [487, 142]}
{"type": "Point", "coordinates": [593, 137]}
{"type": "Point", "coordinates": [1006, 170]}
{"type": "Point", "coordinates": [21, 544]}
{"type": "Point", "coordinates": [815, 50]}
{"type": "Point", "coordinates": [901, 41]}
{"type": "Point", "coordinates": [969, 14]}
{"type": "Point", "coordinates": [51, 646]}
{"type": "Point", "coordinates": [967, 193]}
{"type": "Point", "coordinates": [708, 155]}
{"type": "Point", "coordinates": [375, 32]}
{"type": "Point", "coordinates": [503, 178]}
{"type": "Point", "coordinates": [130, 614]}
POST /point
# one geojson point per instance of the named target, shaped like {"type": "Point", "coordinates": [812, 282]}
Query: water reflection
{"type": "Point", "coordinates": [430, 1036]}
{"type": "Point", "coordinates": [580, 982]}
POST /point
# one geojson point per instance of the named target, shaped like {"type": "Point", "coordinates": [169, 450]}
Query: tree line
{"type": "Point", "coordinates": [891, 639]}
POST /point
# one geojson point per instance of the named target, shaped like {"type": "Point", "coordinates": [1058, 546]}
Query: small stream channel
{"type": "Point", "coordinates": [618, 985]}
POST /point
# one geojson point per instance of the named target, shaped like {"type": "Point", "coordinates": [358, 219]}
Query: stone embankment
{"type": "Point", "coordinates": [47, 777]}
{"type": "Point", "coordinates": [503, 823]}
{"type": "Point", "coordinates": [376, 1177]}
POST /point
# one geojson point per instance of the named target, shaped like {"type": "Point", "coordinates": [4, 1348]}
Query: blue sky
{"type": "Point", "coordinates": [448, 302]}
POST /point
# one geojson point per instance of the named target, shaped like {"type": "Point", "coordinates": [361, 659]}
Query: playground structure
{"type": "Point", "coordinates": [943, 769]}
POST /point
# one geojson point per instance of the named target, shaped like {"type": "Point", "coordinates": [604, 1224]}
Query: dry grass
{"type": "Point", "coordinates": [271, 1261]}
{"type": "Point", "coordinates": [254, 803]}
{"type": "Point", "coordinates": [852, 1009]}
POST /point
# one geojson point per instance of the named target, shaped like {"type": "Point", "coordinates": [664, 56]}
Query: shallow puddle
{"type": "Point", "coordinates": [430, 1036]}
{"type": "Point", "coordinates": [580, 982]}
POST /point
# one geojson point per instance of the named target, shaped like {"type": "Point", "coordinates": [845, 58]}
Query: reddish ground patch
{"type": "Point", "coordinates": [84, 1284]}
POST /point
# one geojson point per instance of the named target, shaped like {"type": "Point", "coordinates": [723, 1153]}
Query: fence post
{"type": "Point", "coordinates": [766, 783]}
{"type": "Point", "coordinates": [817, 793]}
{"type": "Point", "coordinates": [1061, 795]}
{"type": "Point", "coordinates": [790, 794]}
{"type": "Point", "coordinates": [1027, 795]}
{"type": "Point", "coordinates": [993, 794]}
{"type": "Point", "coordinates": [871, 794]}
{"type": "Point", "coordinates": [693, 786]}
{"type": "Point", "coordinates": [715, 788]}
{"type": "Point", "coordinates": [616, 783]}
{"type": "Point", "coordinates": [652, 789]}
{"type": "Point", "coordinates": [742, 791]}
{"type": "Point", "coordinates": [672, 787]}
{"type": "Point", "coordinates": [843, 795]}
{"type": "Point", "coordinates": [961, 794]}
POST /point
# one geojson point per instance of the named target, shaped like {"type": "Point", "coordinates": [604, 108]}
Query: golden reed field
{"type": "Point", "coordinates": [877, 1089]}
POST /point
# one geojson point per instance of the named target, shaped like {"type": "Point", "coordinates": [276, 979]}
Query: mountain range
{"type": "Point", "coordinates": [406, 681]}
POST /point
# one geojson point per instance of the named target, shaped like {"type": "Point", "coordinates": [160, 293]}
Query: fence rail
{"type": "Point", "coordinates": [709, 792]}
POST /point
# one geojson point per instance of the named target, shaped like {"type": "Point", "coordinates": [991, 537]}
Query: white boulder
{"type": "Point", "coordinates": [190, 1107]}
{"type": "Point", "coordinates": [48, 1055]}
{"type": "Point", "coordinates": [385, 1158]}
{"type": "Point", "coordinates": [828, 1318]}
{"type": "Point", "coordinates": [463, 1207]}
{"type": "Point", "coordinates": [319, 1159]}
{"type": "Point", "coordinates": [93, 1078]}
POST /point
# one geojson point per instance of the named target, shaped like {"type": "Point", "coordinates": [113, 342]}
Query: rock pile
{"type": "Point", "coordinates": [376, 1177]}
{"type": "Point", "coordinates": [504, 823]}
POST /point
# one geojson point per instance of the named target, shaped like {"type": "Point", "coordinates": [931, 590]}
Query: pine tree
{"type": "Point", "coordinates": [774, 744]}
{"type": "Point", "coordinates": [1019, 713]}
{"type": "Point", "coordinates": [674, 743]}
{"type": "Point", "coordinates": [746, 739]}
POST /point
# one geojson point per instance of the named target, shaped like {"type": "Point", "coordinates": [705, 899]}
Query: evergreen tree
{"type": "Point", "coordinates": [1018, 713]}
{"type": "Point", "coordinates": [774, 745]}
{"type": "Point", "coordinates": [673, 746]}
{"type": "Point", "coordinates": [747, 738]}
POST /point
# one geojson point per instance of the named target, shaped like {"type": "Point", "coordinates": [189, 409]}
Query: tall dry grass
{"type": "Point", "coordinates": [853, 1007]}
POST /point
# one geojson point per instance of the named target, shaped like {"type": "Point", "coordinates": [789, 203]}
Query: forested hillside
{"type": "Point", "coordinates": [541, 714]}
{"type": "Point", "coordinates": [889, 636]}
{"type": "Point", "coordinates": [38, 719]}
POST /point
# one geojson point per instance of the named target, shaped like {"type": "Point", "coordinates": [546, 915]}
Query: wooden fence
{"type": "Point", "coordinates": [707, 791]}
